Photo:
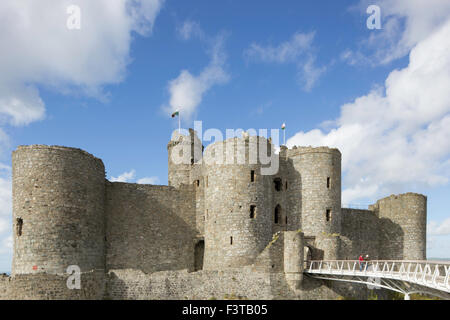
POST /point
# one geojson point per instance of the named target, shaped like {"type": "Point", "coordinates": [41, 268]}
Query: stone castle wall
{"type": "Point", "coordinates": [43, 286]}
{"type": "Point", "coordinates": [320, 176]}
{"type": "Point", "coordinates": [149, 227]}
{"type": "Point", "coordinates": [226, 219]}
{"type": "Point", "coordinates": [238, 210]}
{"type": "Point", "coordinates": [360, 234]}
{"type": "Point", "coordinates": [229, 284]}
{"type": "Point", "coordinates": [58, 210]}
{"type": "Point", "coordinates": [402, 226]}
{"type": "Point", "coordinates": [183, 152]}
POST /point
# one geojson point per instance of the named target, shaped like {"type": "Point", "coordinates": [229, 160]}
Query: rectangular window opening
{"type": "Point", "coordinates": [19, 224]}
{"type": "Point", "coordinates": [252, 211]}
{"type": "Point", "coordinates": [252, 176]}
{"type": "Point", "coordinates": [231, 240]}
{"type": "Point", "coordinates": [328, 214]}
{"type": "Point", "coordinates": [328, 182]}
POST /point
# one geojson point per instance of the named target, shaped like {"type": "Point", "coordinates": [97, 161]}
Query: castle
{"type": "Point", "coordinates": [218, 230]}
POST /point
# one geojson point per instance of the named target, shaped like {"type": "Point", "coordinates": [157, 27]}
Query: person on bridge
{"type": "Point", "coordinates": [361, 262]}
{"type": "Point", "coordinates": [366, 259]}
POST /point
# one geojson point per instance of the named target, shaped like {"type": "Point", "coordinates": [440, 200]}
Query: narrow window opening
{"type": "Point", "coordinates": [286, 185]}
{"type": "Point", "coordinates": [192, 160]}
{"type": "Point", "coordinates": [19, 224]}
{"type": "Point", "coordinates": [197, 183]}
{"type": "Point", "coordinates": [328, 214]}
{"type": "Point", "coordinates": [328, 182]}
{"type": "Point", "coordinates": [252, 211]}
{"type": "Point", "coordinates": [252, 176]}
{"type": "Point", "coordinates": [278, 184]}
{"type": "Point", "coordinates": [286, 219]}
{"type": "Point", "coordinates": [231, 240]}
{"type": "Point", "coordinates": [277, 214]}
{"type": "Point", "coordinates": [199, 251]}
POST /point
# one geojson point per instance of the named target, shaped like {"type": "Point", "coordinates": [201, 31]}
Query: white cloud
{"type": "Point", "coordinates": [5, 197]}
{"type": "Point", "coordinates": [190, 29]}
{"type": "Point", "coordinates": [3, 225]}
{"type": "Point", "coordinates": [130, 176]}
{"type": "Point", "coordinates": [148, 180]}
{"type": "Point", "coordinates": [5, 216]}
{"type": "Point", "coordinates": [404, 23]}
{"type": "Point", "coordinates": [398, 136]}
{"type": "Point", "coordinates": [6, 245]}
{"type": "Point", "coordinates": [288, 51]}
{"type": "Point", "coordinates": [435, 228]}
{"type": "Point", "coordinates": [125, 177]}
{"type": "Point", "coordinates": [298, 50]}
{"type": "Point", "coordinates": [39, 50]}
{"type": "Point", "coordinates": [438, 246]}
{"type": "Point", "coordinates": [187, 90]}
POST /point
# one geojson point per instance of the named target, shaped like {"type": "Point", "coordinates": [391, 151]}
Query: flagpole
{"type": "Point", "coordinates": [284, 136]}
{"type": "Point", "coordinates": [179, 122]}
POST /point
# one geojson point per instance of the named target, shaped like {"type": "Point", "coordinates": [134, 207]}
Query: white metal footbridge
{"type": "Point", "coordinates": [404, 276]}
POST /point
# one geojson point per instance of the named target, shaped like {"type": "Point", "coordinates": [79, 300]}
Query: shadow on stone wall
{"type": "Point", "coordinates": [149, 228]}
{"type": "Point", "coordinates": [364, 233]}
{"type": "Point", "coordinates": [391, 240]}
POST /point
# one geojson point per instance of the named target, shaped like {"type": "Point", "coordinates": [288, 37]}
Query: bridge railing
{"type": "Point", "coordinates": [434, 274]}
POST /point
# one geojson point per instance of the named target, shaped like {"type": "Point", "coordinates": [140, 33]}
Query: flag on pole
{"type": "Point", "coordinates": [283, 126]}
{"type": "Point", "coordinates": [177, 113]}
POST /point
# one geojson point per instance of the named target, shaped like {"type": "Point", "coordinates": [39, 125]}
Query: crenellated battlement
{"type": "Point", "coordinates": [295, 150]}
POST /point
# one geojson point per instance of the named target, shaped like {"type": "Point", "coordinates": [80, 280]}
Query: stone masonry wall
{"type": "Point", "coordinates": [402, 228]}
{"type": "Point", "coordinates": [242, 283]}
{"type": "Point", "coordinates": [233, 235]}
{"type": "Point", "coordinates": [149, 238]}
{"type": "Point", "coordinates": [359, 235]}
{"type": "Point", "coordinates": [320, 174]}
{"type": "Point", "coordinates": [42, 286]}
{"type": "Point", "coordinates": [58, 210]}
{"type": "Point", "coordinates": [149, 227]}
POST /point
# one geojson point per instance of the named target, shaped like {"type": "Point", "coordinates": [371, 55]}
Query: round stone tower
{"type": "Point", "coordinates": [403, 220]}
{"type": "Point", "coordinates": [238, 222]}
{"type": "Point", "coordinates": [184, 151]}
{"type": "Point", "coordinates": [319, 180]}
{"type": "Point", "coordinates": [58, 210]}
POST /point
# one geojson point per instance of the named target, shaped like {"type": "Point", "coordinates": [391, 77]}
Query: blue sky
{"type": "Point", "coordinates": [110, 86]}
